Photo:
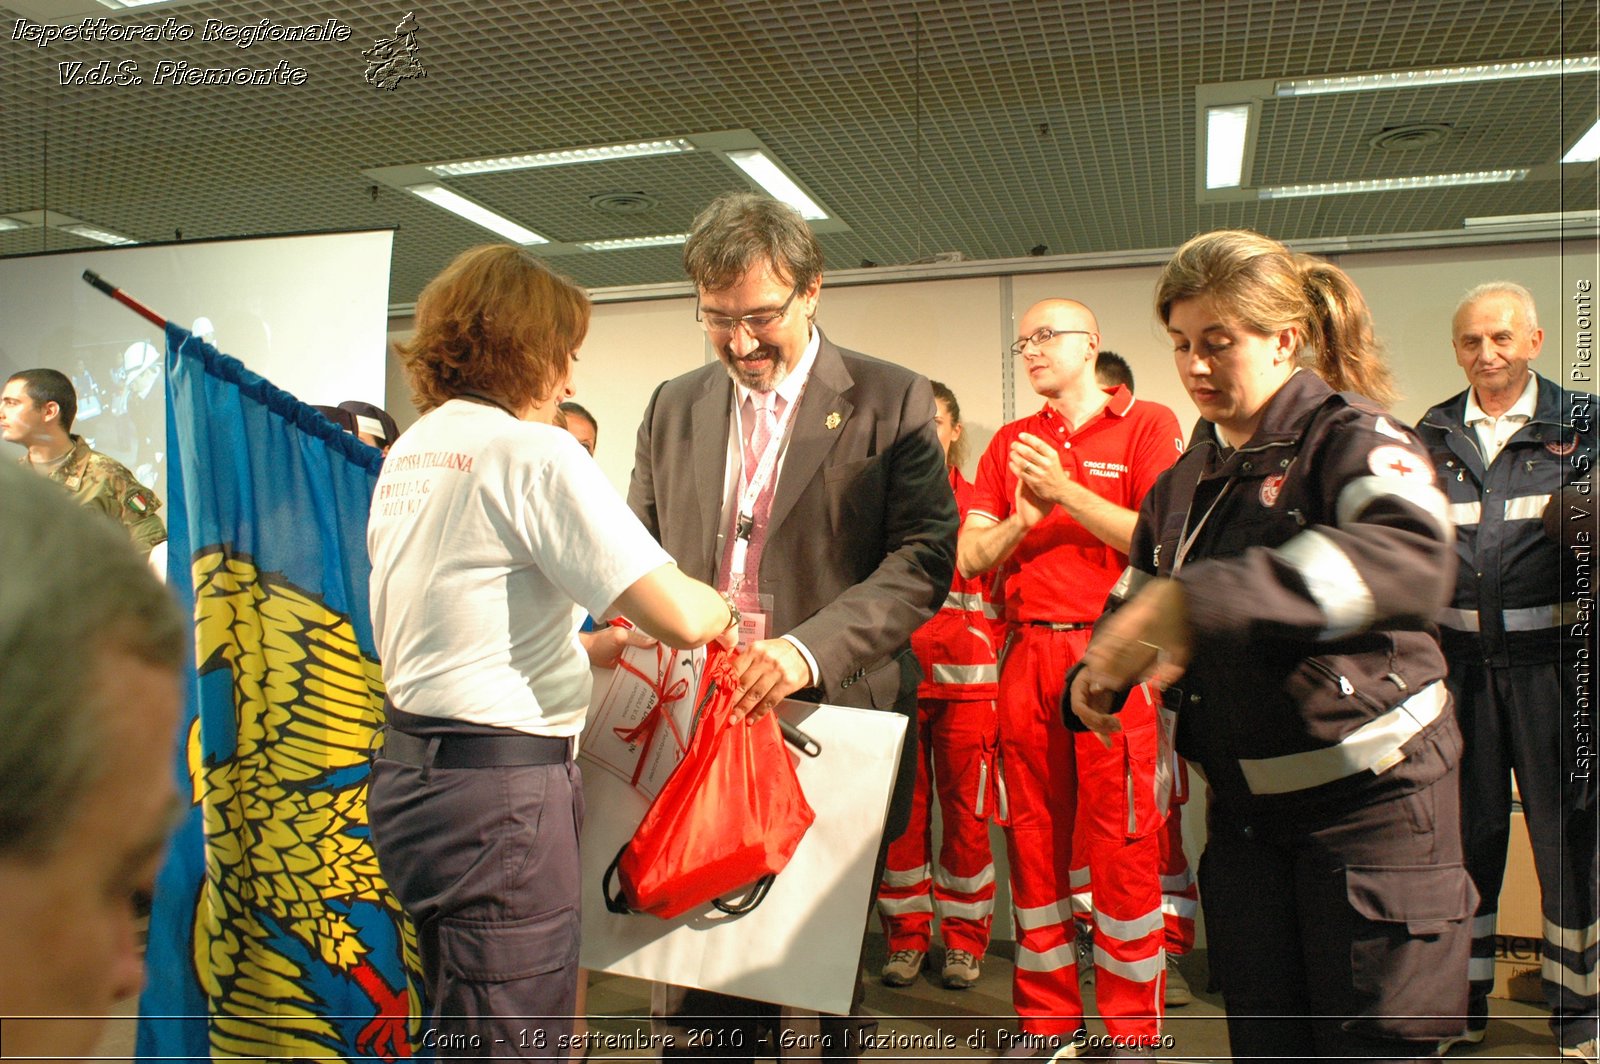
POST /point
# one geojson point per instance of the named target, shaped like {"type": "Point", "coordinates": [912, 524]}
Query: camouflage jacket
{"type": "Point", "coordinates": [105, 484]}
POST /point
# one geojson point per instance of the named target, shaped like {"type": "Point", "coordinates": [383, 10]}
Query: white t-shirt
{"type": "Point", "coordinates": [484, 532]}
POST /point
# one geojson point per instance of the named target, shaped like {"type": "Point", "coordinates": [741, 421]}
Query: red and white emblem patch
{"type": "Point", "coordinates": [1389, 460]}
{"type": "Point", "coordinates": [1270, 489]}
{"type": "Point", "coordinates": [1562, 447]}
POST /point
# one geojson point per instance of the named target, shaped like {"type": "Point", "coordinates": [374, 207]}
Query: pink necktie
{"type": "Point", "coordinates": [761, 412]}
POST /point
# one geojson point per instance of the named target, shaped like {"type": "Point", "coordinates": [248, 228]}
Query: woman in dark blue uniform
{"type": "Point", "coordinates": [1281, 583]}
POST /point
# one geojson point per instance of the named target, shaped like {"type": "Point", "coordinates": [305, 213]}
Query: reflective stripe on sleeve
{"type": "Point", "coordinates": [964, 601]}
{"type": "Point", "coordinates": [1362, 750]}
{"type": "Point", "coordinates": [1362, 492]}
{"type": "Point", "coordinates": [965, 674]}
{"type": "Point", "coordinates": [1332, 581]}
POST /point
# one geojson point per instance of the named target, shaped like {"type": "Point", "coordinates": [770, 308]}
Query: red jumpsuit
{"type": "Point", "coordinates": [1180, 895]}
{"type": "Point", "coordinates": [1056, 582]}
{"type": "Point", "coordinates": [958, 733]}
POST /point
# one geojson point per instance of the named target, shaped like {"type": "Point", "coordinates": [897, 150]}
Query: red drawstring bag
{"type": "Point", "coordinates": [730, 815]}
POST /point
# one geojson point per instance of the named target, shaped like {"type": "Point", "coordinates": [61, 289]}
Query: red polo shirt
{"type": "Point", "coordinates": [1061, 571]}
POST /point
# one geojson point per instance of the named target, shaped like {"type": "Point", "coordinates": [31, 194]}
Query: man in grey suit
{"type": "Point", "coordinates": [806, 481]}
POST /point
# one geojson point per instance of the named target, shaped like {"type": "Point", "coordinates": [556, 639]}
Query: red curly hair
{"type": "Point", "coordinates": [498, 322]}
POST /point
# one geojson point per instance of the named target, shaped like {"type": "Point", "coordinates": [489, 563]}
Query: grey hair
{"type": "Point", "coordinates": [1501, 288]}
{"type": "Point", "coordinates": [74, 588]}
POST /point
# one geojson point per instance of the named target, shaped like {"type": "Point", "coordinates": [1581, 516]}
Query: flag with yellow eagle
{"type": "Point", "coordinates": [272, 934]}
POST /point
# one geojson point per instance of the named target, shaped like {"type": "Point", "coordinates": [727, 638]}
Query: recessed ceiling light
{"type": "Point", "coordinates": [1587, 150]}
{"type": "Point", "coordinates": [760, 168]}
{"type": "Point", "coordinates": [562, 157]}
{"type": "Point", "coordinates": [1226, 130]}
{"type": "Point", "coordinates": [476, 213]}
{"type": "Point", "coordinates": [94, 232]}
{"type": "Point", "coordinates": [7, 224]}
{"type": "Point", "coordinates": [118, 5]}
{"type": "Point", "coordinates": [627, 243]}
{"type": "Point", "coordinates": [1453, 75]}
{"type": "Point", "coordinates": [1392, 184]}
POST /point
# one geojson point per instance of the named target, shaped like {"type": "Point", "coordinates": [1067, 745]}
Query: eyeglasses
{"type": "Point", "coordinates": [722, 323]}
{"type": "Point", "coordinates": [1044, 336]}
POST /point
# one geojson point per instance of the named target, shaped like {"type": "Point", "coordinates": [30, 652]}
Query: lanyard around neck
{"type": "Point", "coordinates": [755, 483]}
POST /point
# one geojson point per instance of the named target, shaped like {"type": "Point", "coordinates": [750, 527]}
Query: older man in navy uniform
{"type": "Point", "coordinates": [1504, 449]}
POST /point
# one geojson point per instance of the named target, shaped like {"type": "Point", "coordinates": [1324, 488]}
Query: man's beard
{"type": "Point", "coordinates": [757, 379]}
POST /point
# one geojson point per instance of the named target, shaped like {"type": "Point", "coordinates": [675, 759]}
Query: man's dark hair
{"type": "Point", "coordinates": [741, 229]}
{"type": "Point", "coordinates": [1111, 369]}
{"type": "Point", "coordinates": [50, 386]}
{"type": "Point", "coordinates": [570, 408]}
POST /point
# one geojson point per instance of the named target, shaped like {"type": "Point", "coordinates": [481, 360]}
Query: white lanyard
{"type": "Point", "coordinates": [744, 520]}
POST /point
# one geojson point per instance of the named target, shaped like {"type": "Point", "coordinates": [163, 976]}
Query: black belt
{"type": "Point", "coordinates": [1060, 626]}
{"type": "Point", "coordinates": [475, 751]}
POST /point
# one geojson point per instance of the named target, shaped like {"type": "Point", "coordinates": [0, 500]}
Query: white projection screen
{"type": "Point", "coordinates": [308, 312]}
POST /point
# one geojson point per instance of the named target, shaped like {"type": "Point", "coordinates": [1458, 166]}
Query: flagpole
{"type": "Point", "coordinates": [125, 299]}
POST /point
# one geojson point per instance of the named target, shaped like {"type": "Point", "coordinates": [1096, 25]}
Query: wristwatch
{"type": "Point", "coordinates": [733, 611]}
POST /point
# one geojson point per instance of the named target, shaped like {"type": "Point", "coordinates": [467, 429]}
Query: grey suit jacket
{"type": "Point", "coordinates": [861, 545]}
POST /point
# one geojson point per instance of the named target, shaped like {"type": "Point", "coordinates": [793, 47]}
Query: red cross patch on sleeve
{"type": "Point", "coordinates": [1389, 460]}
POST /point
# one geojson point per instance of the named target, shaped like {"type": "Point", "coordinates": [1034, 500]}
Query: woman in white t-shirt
{"type": "Point", "coordinates": [491, 534]}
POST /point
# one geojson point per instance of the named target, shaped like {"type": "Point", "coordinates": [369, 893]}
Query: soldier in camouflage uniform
{"type": "Point", "coordinates": [36, 411]}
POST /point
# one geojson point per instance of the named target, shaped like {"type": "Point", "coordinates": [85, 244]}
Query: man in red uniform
{"type": "Point", "coordinates": [1054, 507]}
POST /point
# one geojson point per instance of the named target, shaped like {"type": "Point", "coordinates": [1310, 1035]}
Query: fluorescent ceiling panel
{"type": "Point", "coordinates": [760, 168]}
{"type": "Point", "coordinates": [476, 213]}
{"type": "Point", "coordinates": [562, 157]}
{"type": "Point", "coordinates": [628, 243]}
{"type": "Point", "coordinates": [1226, 130]}
{"type": "Point", "coordinates": [94, 232]}
{"type": "Point", "coordinates": [1454, 75]}
{"type": "Point", "coordinates": [1587, 150]}
{"type": "Point", "coordinates": [1392, 184]}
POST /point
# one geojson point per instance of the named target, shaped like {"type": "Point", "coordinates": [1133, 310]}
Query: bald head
{"type": "Point", "coordinates": [1071, 313]}
{"type": "Point", "coordinates": [1057, 340]}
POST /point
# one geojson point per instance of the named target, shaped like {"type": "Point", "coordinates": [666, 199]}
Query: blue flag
{"type": "Point", "coordinates": [272, 933]}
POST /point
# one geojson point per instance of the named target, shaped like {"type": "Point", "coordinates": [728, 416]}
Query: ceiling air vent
{"type": "Point", "coordinates": [622, 202]}
{"type": "Point", "coordinates": [1411, 136]}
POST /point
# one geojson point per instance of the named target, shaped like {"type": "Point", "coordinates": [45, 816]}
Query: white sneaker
{"type": "Point", "coordinates": [1581, 1051]}
{"type": "Point", "coordinates": [1469, 1036]}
